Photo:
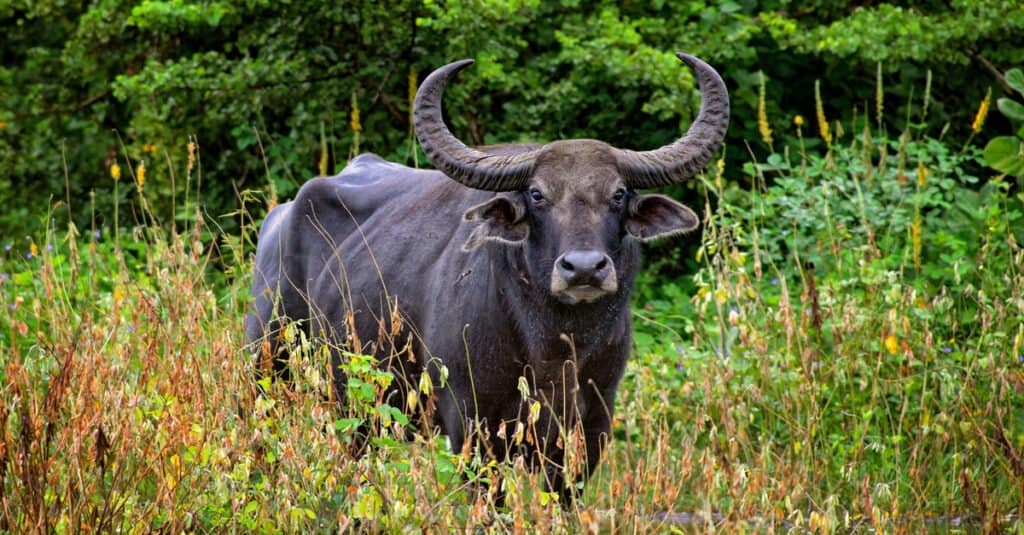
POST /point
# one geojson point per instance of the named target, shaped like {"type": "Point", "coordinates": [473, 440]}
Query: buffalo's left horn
{"type": "Point", "coordinates": [463, 164]}
{"type": "Point", "coordinates": [681, 160]}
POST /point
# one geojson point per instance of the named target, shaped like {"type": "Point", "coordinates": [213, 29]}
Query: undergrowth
{"type": "Point", "coordinates": [848, 357]}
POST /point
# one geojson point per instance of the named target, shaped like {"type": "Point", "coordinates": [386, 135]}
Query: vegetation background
{"type": "Point", "coordinates": [268, 89]}
{"type": "Point", "coordinates": [842, 348]}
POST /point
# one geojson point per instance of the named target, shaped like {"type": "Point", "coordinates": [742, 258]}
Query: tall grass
{"type": "Point", "coordinates": [852, 354]}
{"type": "Point", "coordinates": [849, 358]}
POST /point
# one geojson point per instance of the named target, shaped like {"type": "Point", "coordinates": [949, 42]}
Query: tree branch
{"type": "Point", "coordinates": [64, 110]}
{"type": "Point", "coordinates": [996, 73]}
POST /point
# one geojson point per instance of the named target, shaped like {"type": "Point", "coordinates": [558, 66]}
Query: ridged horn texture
{"type": "Point", "coordinates": [463, 164]}
{"type": "Point", "coordinates": [681, 160]}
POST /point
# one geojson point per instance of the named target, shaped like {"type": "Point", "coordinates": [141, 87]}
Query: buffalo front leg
{"type": "Point", "coordinates": [597, 426]}
{"type": "Point", "coordinates": [585, 434]}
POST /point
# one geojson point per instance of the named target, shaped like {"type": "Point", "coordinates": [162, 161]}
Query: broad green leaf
{"type": "Point", "coordinates": [1011, 108]}
{"type": "Point", "coordinates": [730, 7]}
{"type": "Point", "coordinates": [1015, 79]}
{"type": "Point", "coordinates": [24, 278]}
{"type": "Point", "coordinates": [346, 425]}
{"type": "Point", "coordinates": [368, 505]}
{"type": "Point", "coordinates": [1006, 155]}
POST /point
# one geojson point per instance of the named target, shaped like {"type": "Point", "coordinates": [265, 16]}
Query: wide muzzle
{"type": "Point", "coordinates": [583, 276]}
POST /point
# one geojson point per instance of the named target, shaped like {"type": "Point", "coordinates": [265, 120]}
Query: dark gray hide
{"type": "Point", "coordinates": [529, 279]}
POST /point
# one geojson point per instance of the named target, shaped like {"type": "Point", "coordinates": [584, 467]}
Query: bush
{"type": "Point", "coordinates": [856, 337]}
{"type": "Point", "coordinates": [268, 90]}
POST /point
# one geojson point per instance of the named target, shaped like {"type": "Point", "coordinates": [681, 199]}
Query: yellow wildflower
{"type": "Point", "coordinates": [140, 175]}
{"type": "Point", "coordinates": [115, 172]}
{"type": "Point", "coordinates": [922, 174]}
{"type": "Point", "coordinates": [324, 157]}
{"type": "Point", "coordinates": [149, 148]}
{"type": "Point", "coordinates": [820, 109]}
{"type": "Point", "coordinates": [762, 115]}
{"type": "Point", "coordinates": [1017, 340]}
{"type": "Point", "coordinates": [191, 155]}
{"type": "Point", "coordinates": [798, 121]}
{"type": "Point", "coordinates": [915, 241]}
{"type": "Point", "coordinates": [3, 124]}
{"type": "Point", "coordinates": [356, 125]}
{"type": "Point", "coordinates": [879, 95]}
{"type": "Point", "coordinates": [412, 86]}
{"type": "Point", "coordinates": [979, 118]}
{"type": "Point", "coordinates": [324, 162]}
{"type": "Point", "coordinates": [927, 93]}
{"type": "Point", "coordinates": [33, 250]}
{"type": "Point", "coordinates": [892, 345]}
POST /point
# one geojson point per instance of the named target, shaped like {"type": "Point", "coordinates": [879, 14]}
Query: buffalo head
{"type": "Point", "coordinates": [573, 204]}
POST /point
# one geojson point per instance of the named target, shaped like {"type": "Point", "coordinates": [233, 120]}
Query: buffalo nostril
{"type": "Point", "coordinates": [583, 267]}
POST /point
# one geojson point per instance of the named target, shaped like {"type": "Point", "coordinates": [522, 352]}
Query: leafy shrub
{"type": "Point", "coordinates": [1006, 153]}
{"type": "Point", "coordinates": [857, 336]}
{"type": "Point", "coordinates": [270, 92]}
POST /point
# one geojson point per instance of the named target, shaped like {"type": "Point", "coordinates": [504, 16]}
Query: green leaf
{"type": "Point", "coordinates": [346, 425]}
{"type": "Point", "coordinates": [1015, 79]}
{"type": "Point", "coordinates": [730, 7]}
{"type": "Point", "coordinates": [1011, 108]}
{"type": "Point", "coordinates": [368, 505]}
{"type": "Point", "coordinates": [1006, 155]}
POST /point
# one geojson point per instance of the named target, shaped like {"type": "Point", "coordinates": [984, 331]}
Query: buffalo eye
{"type": "Point", "coordinates": [619, 195]}
{"type": "Point", "coordinates": [536, 195]}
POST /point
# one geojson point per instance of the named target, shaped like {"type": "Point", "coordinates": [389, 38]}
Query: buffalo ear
{"type": "Point", "coordinates": [501, 219]}
{"type": "Point", "coordinates": [657, 216]}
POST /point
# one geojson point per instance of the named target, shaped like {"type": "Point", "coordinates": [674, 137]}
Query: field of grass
{"type": "Point", "coordinates": [848, 357]}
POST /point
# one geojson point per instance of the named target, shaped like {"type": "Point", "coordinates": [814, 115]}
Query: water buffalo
{"type": "Point", "coordinates": [506, 262]}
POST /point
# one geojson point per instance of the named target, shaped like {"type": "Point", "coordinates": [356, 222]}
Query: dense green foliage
{"type": "Point", "coordinates": [267, 89]}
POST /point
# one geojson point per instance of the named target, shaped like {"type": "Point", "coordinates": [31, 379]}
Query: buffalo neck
{"type": "Point", "coordinates": [552, 331]}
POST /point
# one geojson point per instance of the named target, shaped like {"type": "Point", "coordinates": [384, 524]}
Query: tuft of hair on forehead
{"type": "Point", "coordinates": [577, 152]}
{"type": "Point", "coordinates": [577, 167]}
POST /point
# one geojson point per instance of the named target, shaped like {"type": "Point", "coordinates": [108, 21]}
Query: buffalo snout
{"type": "Point", "coordinates": [583, 275]}
{"type": "Point", "coordinates": [584, 268]}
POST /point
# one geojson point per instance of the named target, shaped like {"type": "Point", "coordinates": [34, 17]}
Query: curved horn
{"type": "Point", "coordinates": [463, 164]}
{"type": "Point", "coordinates": [689, 154]}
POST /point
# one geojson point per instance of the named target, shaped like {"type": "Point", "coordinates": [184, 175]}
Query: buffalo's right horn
{"type": "Point", "coordinates": [689, 154]}
{"type": "Point", "coordinates": [463, 164]}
